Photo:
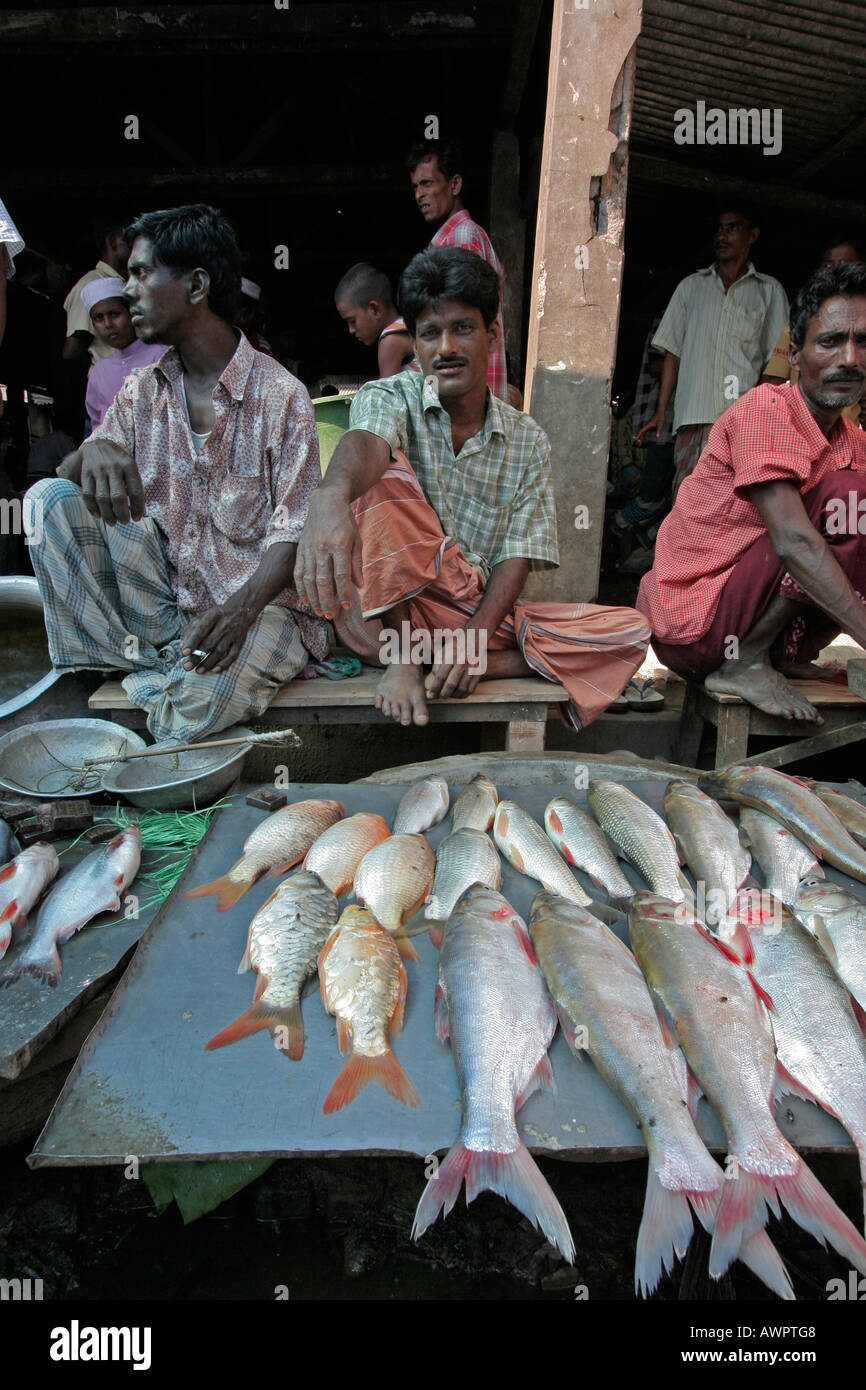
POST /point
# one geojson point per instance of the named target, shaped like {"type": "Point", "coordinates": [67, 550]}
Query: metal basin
{"type": "Point", "coordinates": [23, 644]}
{"type": "Point", "coordinates": [45, 759]}
{"type": "Point", "coordinates": [172, 780]}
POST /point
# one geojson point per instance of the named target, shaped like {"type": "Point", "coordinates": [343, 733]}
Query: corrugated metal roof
{"type": "Point", "coordinates": [805, 57]}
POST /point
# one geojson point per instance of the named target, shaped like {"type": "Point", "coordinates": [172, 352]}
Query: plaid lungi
{"type": "Point", "coordinates": [109, 606]}
{"type": "Point", "coordinates": [689, 443]}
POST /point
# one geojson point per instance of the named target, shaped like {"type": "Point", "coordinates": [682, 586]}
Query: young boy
{"type": "Point", "coordinates": [364, 299]}
{"type": "Point", "coordinates": [109, 315]}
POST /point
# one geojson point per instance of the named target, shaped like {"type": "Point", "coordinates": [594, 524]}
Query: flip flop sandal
{"type": "Point", "coordinates": [642, 696]}
{"type": "Point", "coordinates": [618, 706]}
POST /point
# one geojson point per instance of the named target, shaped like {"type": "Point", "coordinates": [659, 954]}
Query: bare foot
{"type": "Point", "coordinates": [764, 687]}
{"type": "Point", "coordinates": [400, 695]}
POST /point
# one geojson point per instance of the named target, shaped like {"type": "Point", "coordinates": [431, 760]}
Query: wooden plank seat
{"type": "Point", "coordinates": [523, 703]}
{"type": "Point", "coordinates": [735, 721]}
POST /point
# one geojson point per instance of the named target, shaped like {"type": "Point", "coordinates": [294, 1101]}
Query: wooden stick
{"type": "Point", "coordinates": [271, 735]}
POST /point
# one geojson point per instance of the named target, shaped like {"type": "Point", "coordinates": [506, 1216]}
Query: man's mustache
{"type": "Point", "coordinates": [847, 377]}
{"type": "Point", "coordinates": [450, 362]}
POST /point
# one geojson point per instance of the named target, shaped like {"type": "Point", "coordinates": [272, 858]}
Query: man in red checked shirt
{"type": "Point", "coordinates": [762, 561]}
{"type": "Point", "coordinates": [434, 169]}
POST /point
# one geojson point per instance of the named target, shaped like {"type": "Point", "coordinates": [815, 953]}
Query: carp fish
{"type": "Point", "coordinates": [475, 807]}
{"type": "Point", "coordinates": [363, 982]}
{"type": "Point", "coordinates": [784, 860]}
{"type": "Point", "coordinates": [283, 944]}
{"type": "Point", "coordinates": [422, 806]}
{"type": "Point", "coordinates": [583, 844]}
{"type": "Point", "coordinates": [710, 845]}
{"type": "Point", "coordinates": [717, 1009]}
{"type": "Point", "coordinates": [338, 851]}
{"type": "Point", "coordinates": [393, 881]}
{"type": "Point", "coordinates": [528, 849]}
{"type": "Point", "coordinates": [279, 842]}
{"type": "Point", "coordinates": [464, 857]}
{"type": "Point", "coordinates": [95, 885]}
{"type": "Point", "coordinates": [837, 920]}
{"type": "Point", "coordinates": [851, 813]}
{"type": "Point", "coordinates": [792, 803]}
{"type": "Point", "coordinates": [641, 837]}
{"type": "Point", "coordinates": [491, 1002]}
{"type": "Point", "coordinates": [605, 1009]}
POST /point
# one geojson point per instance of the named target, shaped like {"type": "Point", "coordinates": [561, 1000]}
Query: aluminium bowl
{"type": "Point", "coordinates": [43, 759]}
{"type": "Point", "coordinates": [173, 780]}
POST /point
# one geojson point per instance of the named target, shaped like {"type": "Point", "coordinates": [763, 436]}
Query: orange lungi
{"type": "Point", "coordinates": [589, 648]}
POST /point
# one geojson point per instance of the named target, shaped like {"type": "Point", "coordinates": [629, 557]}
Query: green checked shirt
{"type": "Point", "coordinates": [496, 497]}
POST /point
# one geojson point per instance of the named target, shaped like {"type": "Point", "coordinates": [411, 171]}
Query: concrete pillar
{"type": "Point", "coordinates": [577, 271]}
{"type": "Point", "coordinates": [508, 230]}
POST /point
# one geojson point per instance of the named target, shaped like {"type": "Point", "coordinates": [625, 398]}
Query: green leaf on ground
{"type": "Point", "coordinates": [200, 1187]}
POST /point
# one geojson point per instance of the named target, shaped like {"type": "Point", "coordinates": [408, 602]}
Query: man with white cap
{"type": "Point", "coordinates": [109, 315]}
{"type": "Point", "coordinates": [82, 346]}
{"type": "Point", "coordinates": [10, 244]}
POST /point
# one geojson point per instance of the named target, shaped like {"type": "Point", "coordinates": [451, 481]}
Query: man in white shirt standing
{"type": "Point", "coordinates": [82, 345]}
{"type": "Point", "coordinates": [718, 334]}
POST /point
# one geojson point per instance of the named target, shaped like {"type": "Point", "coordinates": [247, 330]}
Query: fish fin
{"type": "Point", "coordinates": [540, 1080]}
{"type": "Point", "coordinates": [227, 890]}
{"type": "Point", "coordinates": [440, 1015]}
{"type": "Point", "coordinates": [405, 947]}
{"type": "Point", "coordinates": [785, 1084]}
{"type": "Point", "coordinates": [859, 1013]}
{"type": "Point", "coordinates": [435, 929]}
{"type": "Point", "coordinates": [7, 871]}
{"type": "Point", "coordinates": [523, 937]}
{"type": "Point", "coordinates": [738, 938]}
{"type": "Point", "coordinates": [344, 1036]}
{"type": "Point", "coordinates": [822, 936]}
{"type": "Point", "coordinates": [670, 1037]}
{"type": "Point", "coordinates": [762, 994]}
{"type": "Point", "coordinates": [727, 951]}
{"type": "Point", "coordinates": [515, 1176]}
{"type": "Point", "coordinates": [743, 1212]}
{"type": "Point", "coordinates": [553, 822]}
{"type": "Point", "coordinates": [758, 1252]}
{"type": "Point", "coordinates": [246, 963]}
{"type": "Point", "coordinates": [276, 869]}
{"type": "Point", "coordinates": [570, 1034]}
{"type": "Point", "coordinates": [46, 968]}
{"type": "Point", "coordinates": [259, 1016]}
{"type": "Point", "coordinates": [395, 1022]}
{"type": "Point", "coordinates": [516, 859]}
{"type": "Point", "coordinates": [359, 1071]}
{"type": "Point", "coordinates": [10, 911]}
{"type": "Point", "coordinates": [665, 1231]}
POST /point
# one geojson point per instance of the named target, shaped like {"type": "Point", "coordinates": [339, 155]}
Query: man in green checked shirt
{"type": "Point", "coordinates": [436, 505]}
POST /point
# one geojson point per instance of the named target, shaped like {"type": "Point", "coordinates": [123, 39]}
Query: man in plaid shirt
{"type": "Point", "coordinates": [437, 503]}
{"type": "Point", "coordinates": [437, 183]}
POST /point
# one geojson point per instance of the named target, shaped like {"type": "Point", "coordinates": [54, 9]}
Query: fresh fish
{"type": "Point", "coordinates": [818, 1038]}
{"type": "Point", "coordinates": [475, 807]}
{"type": "Point", "coordinates": [336, 854]}
{"type": "Point", "coordinates": [363, 982]}
{"type": "Point", "coordinates": [784, 859]}
{"type": "Point", "coordinates": [605, 1009]}
{"type": "Point", "coordinates": [527, 849]}
{"type": "Point", "coordinates": [9, 845]}
{"type": "Point", "coordinates": [492, 1003]}
{"type": "Point", "coordinates": [22, 883]}
{"type": "Point", "coordinates": [464, 857]}
{"type": "Point", "coordinates": [278, 843]}
{"type": "Point", "coordinates": [583, 843]}
{"type": "Point", "coordinates": [393, 881]}
{"type": "Point", "coordinates": [95, 885]}
{"type": "Point", "coordinates": [851, 813]}
{"type": "Point", "coordinates": [725, 1033]}
{"type": "Point", "coordinates": [710, 845]}
{"type": "Point", "coordinates": [283, 945]}
{"type": "Point", "coordinates": [795, 806]}
{"type": "Point", "coordinates": [837, 920]}
{"type": "Point", "coordinates": [641, 837]}
{"type": "Point", "coordinates": [421, 806]}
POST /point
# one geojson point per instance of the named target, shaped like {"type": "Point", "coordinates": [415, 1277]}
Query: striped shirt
{"type": "Point", "coordinates": [769, 435]}
{"type": "Point", "coordinates": [496, 497]}
{"type": "Point", "coordinates": [460, 230]}
{"type": "Point", "coordinates": [219, 509]}
{"type": "Point", "coordinates": [722, 340]}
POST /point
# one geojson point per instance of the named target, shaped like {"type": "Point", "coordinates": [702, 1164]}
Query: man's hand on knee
{"type": "Point", "coordinates": [329, 554]}
{"type": "Point", "coordinates": [111, 486]}
{"type": "Point", "coordinates": [220, 634]}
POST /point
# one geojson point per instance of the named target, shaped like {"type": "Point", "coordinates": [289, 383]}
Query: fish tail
{"type": "Point", "coordinates": [46, 968]}
{"type": "Point", "coordinates": [228, 891]}
{"type": "Point", "coordinates": [260, 1015]}
{"type": "Point", "coordinates": [436, 928]}
{"type": "Point", "coordinates": [758, 1252]}
{"type": "Point", "coordinates": [514, 1176]}
{"type": "Point", "coordinates": [405, 947]}
{"type": "Point", "coordinates": [743, 1212]}
{"type": "Point", "coordinates": [665, 1231]}
{"type": "Point", "coordinates": [358, 1071]}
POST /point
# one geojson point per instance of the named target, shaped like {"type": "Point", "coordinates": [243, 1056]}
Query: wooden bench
{"type": "Point", "coordinates": [522, 703]}
{"type": "Point", "coordinates": [842, 707]}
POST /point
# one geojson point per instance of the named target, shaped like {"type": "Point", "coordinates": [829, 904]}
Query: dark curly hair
{"type": "Point", "coordinates": [196, 235]}
{"type": "Point", "coordinates": [447, 272]}
{"type": "Point", "coordinates": [449, 156]}
{"type": "Point", "coordinates": [847, 280]}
